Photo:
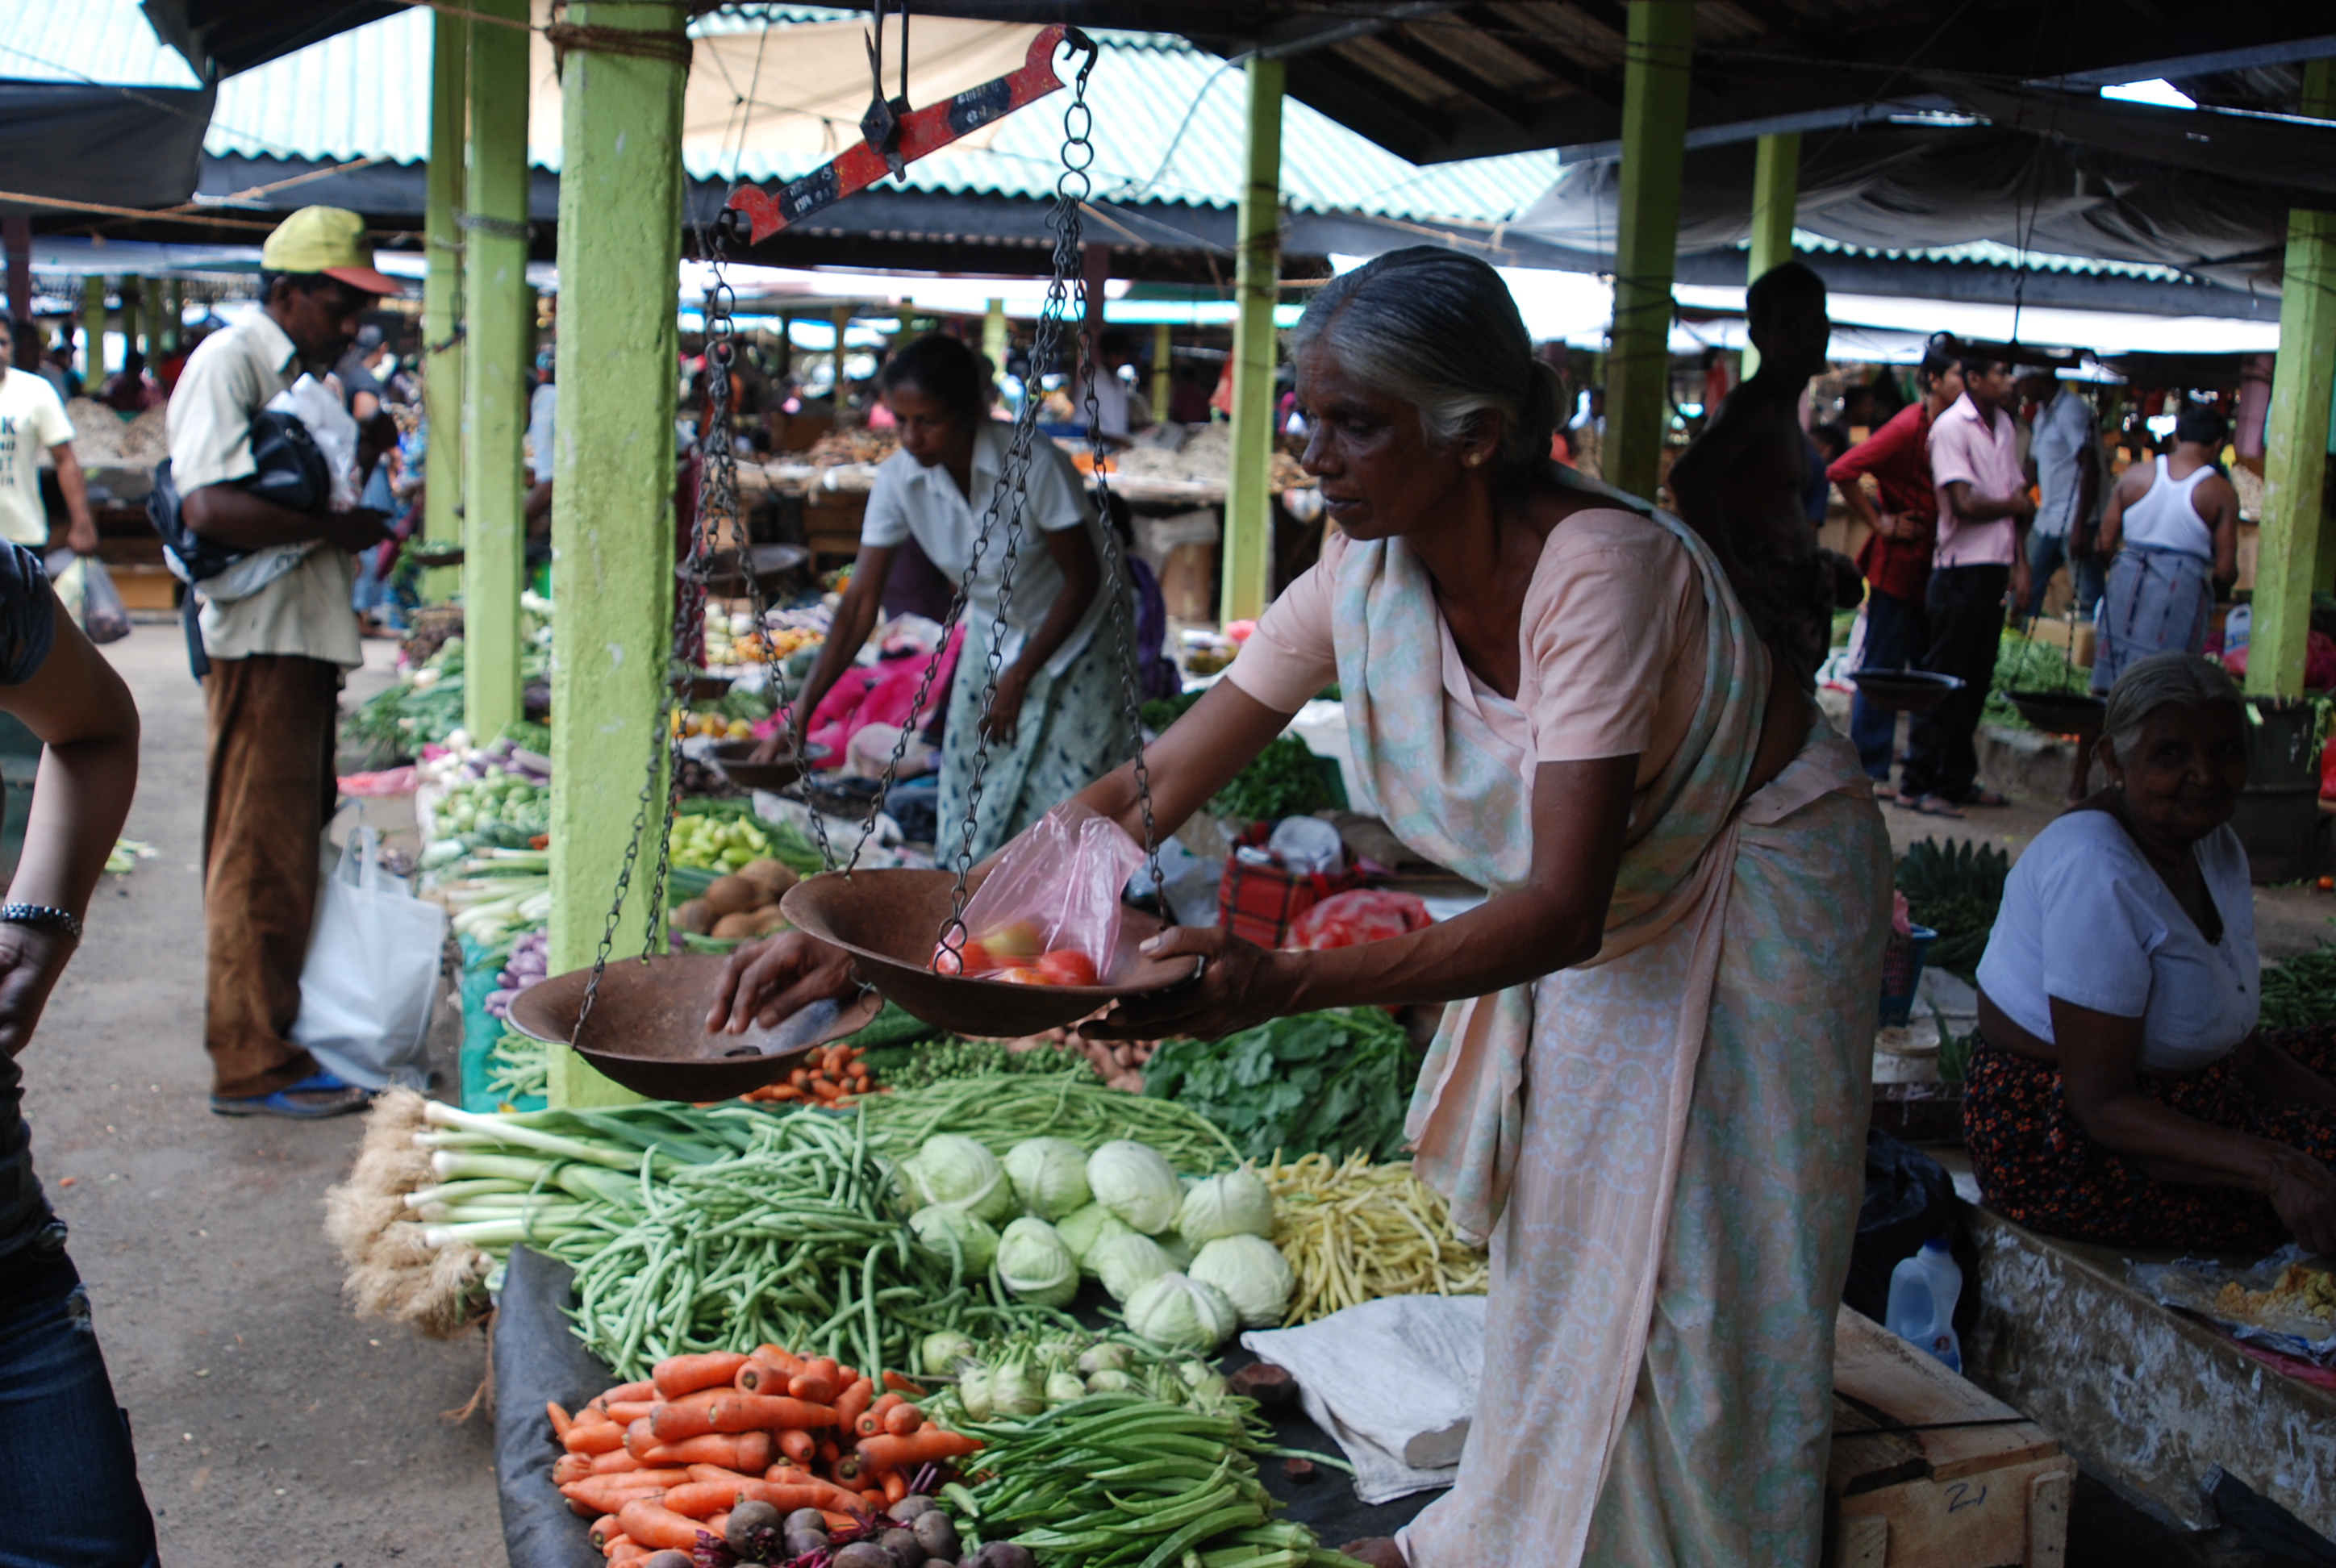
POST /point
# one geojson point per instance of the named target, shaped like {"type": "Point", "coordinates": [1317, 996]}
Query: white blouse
{"type": "Point", "coordinates": [2087, 918]}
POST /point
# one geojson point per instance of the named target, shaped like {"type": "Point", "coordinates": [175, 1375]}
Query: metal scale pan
{"type": "Point", "coordinates": [647, 1029]}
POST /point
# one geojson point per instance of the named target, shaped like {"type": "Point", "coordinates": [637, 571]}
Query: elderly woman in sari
{"type": "Point", "coordinates": [2120, 1091]}
{"type": "Point", "coordinates": [1650, 1090]}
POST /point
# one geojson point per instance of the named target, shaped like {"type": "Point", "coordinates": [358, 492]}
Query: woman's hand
{"type": "Point", "coordinates": [765, 981]}
{"type": "Point", "coordinates": [1240, 985]}
{"type": "Point", "coordinates": [776, 744]}
{"type": "Point", "coordinates": [31, 959]}
{"type": "Point", "coordinates": [2303, 1192]}
{"type": "Point", "coordinates": [1004, 716]}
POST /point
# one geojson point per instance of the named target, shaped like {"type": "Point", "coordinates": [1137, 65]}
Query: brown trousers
{"type": "Point", "coordinates": [273, 719]}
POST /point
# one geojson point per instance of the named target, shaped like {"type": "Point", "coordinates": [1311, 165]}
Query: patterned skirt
{"type": "Point", "coordinates": [2038, 1166]}
{"type": "Point", "coordinates": [1072, 730]}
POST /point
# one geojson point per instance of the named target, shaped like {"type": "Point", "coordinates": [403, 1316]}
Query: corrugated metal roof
{"type": "Point", "coordinates": [101, 40]}
{"type": "Point", "coordinates": [1995, 253]}
{"type": "Point", "coordinates": [1168, 129]}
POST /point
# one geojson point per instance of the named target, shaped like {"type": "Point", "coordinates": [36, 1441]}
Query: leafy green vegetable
{"type": "Point", "coordinates": [1283, 782]}
{"type": "Point", "coordinates": [1163, 711]}
{"type": "Point", "coordinates": [905, 1066]}
{"type": "Point", "coordinates": [1331, 1082]}
{"type": "Point", "coordinates": [1955, 890]}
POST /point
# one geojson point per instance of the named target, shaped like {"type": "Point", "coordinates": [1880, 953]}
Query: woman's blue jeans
{"type": "Point", "coordinates": [69, 1492]}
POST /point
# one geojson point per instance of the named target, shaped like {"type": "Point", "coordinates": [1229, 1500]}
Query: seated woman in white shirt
{"type": "Point", "coordinates": [2120, 1091]}
{"type": "Point", "coordinates": [1058, 721]}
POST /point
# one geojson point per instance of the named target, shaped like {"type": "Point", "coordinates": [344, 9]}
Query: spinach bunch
{"type": "Point", "coordinates": [1331, 1083]}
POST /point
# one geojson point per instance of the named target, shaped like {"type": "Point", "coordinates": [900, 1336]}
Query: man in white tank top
{"type": "Point", "coordinates": [2174, 525]}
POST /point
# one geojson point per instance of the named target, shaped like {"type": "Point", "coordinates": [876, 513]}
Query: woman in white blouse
{"type": "Point", "coordinates": [2120, 1091]}
{"type": "Point", "coordinates": [1057, 720]}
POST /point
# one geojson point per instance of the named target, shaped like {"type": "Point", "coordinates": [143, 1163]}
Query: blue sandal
{"type": "Point", "coordinates": [313, 1098]}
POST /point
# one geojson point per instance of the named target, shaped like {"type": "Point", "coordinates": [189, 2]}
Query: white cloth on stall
{"type": "Point", "coordinates": [1393, 1380]}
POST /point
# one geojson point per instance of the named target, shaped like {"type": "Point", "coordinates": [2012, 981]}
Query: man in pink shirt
{"type": "Point", "coordinates": [1981, 556]}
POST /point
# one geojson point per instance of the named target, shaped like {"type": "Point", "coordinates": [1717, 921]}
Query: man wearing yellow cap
{"type": "Point", "coordinates": [277, 651]}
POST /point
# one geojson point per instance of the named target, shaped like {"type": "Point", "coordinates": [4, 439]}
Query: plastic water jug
{"type": "Point", "coordinates": [1922, 1291]}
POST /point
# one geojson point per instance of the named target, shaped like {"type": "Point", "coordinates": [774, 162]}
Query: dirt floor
{"type": "Point", "coordinates": [273, 1427]}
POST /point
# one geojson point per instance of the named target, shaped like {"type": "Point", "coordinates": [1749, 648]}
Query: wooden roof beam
{"type": "Point", "coordinates": [1549, 62]}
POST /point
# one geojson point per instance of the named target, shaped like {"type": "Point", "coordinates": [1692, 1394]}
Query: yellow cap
{"type": "Point", "coordinates": [326, 239]}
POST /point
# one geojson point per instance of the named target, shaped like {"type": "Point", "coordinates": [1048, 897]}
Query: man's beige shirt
{"type": "Point", "coordinates": [231, 377]}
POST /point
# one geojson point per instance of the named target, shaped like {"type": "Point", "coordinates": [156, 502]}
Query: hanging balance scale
{"type": "Point", "coordinates": [642, 1022]}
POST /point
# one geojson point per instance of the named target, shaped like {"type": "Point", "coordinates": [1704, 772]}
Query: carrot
{"type": "Point", "coordinates": [622, 1391]}
{"type": "Point", "coordinates": [744, 1451]}
{"type": "Point", "coordinates": [818, 1387]}
{"type": "Point", "coordinates": [604, 1531]}
{"type": "Point", "coordinates": [616, 1462]}
{"type": "Point", "coordinates": [719, 1524]}
{"type": "Point", "coordinates": [828, 1368]}
{"type": "Point", "coordinates": [896, 1487]}
{"type": "Point", "coordinates": [798, 1445]}
{"type": "Point", "coordinates": [560, 1420]}
{"type": "Point", "coordinates": [657, 1528]}
{"type": "Point", "coordinates": [611, 1491]}
{"type": "Point", "coordinates": [595, 1438]}
{"type": "Point", "coordinates": [785, 1498]}
{"type": "Point", "coordinates": [735, 1412]}
{"type": "Point", "coordinates": [640, 1439]}
{"type": "Point", "coordinates": [827, 1453]}
{"type": "Point", "coordinates": [852, 1403]}
{"type": "Point", "coordinates": [679, 1375]}
{"type": "Point", "coordinates": [848, 1521]}
{"type": "Point", "coordinates": [700, 1499]}
{"type": "Point", "coordinates": [900, 1384]}
{"type": "Point", "coordinates": [932, 1444]}
{"type": "Point", "coordinates": [571, 1467]}
{"type": "Point", "coordinates": [849, 1467]}
{"type": "Point", "coordinates": [902, 1419]}
{"type": "Point", "coordinates": [759, 1376]}
{"type": "Point", "coordinates": [630, 1553]}
{"type": "Point", "coordinates": [625, 1412]}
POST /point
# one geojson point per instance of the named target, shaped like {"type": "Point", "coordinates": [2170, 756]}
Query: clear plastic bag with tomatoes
{"type": "Point", "coordinates": [1048, 914]}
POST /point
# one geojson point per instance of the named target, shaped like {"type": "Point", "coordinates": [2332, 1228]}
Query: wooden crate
{"type": "Point", "coordinates": [830, 521]}
{"type": "Point", "coordinates": [1975, 1486]}
{"type": "Point", "coordinates": [145, 586]}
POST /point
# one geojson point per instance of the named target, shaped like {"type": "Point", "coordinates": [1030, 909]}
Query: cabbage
{"type": "Point", "coordinates": [1036, 1265]}
{"type": "Point", "coordinates": [1135, 1183]}
{"type": "Point", "coordinates": [1126, 1263]}
{"type": "Point", "coordinates": [1182, 1314]}
{"type": "Point", "coordinates": [1180, 1251]}
{"type": "Point", "coordinates": [1049, 1176]}
{"type": "Point", "coordinates": [1252, 1273]}
{"type": "Point", "coordinates": [1238, 1203]}
{"type": "Point", "coordinates": [960, 1172]}
{"type": "Point", "coordinates": [946, 1230]}
{"type": "Point", "coordinates": [1082, 1228]}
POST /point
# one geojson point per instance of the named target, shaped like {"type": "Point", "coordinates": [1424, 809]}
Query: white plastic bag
{"type": "Point", "coordinates": [372, 974]}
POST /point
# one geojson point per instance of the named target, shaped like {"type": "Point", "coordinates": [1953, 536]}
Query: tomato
{"type": "Point", "coordinates": [972, 960]}
{"type": "Point", "coordinates": [1067, 967]}
{"type": "Point", "coordinates": [1013, 943]}
{"type": "Point", "coordinates": [1019, 975]}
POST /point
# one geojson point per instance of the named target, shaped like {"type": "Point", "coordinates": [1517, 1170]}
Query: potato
{"type": "Point", "coordinates": [696, 916]}
{"type": "Point", "coordinates": [733, 896]}
{"type": "Point", "coordinates": [776, 875]}
{"type": "Point", "coordinates": [738, 925]}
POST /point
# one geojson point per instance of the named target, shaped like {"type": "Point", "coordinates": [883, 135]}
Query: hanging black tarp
{"type": "Point", "coordinates": [1909, 187]}
{"type": "Point", "coordinates": [113, 146]}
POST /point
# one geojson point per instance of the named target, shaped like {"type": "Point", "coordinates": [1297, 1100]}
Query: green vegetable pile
{"type": "Point", "coordinates": [2024, 664]}
{"type": "Point", "coordinates": [2301, 990]}
{"type": "Point", "coordinates": [420, 711]}
{"type": "Point", "coordinates": [1001, 1112]}
{"type": "Point", "coordinates": [913, 1066]}
{"type": "Point", "coordinates": [1955, 890]}
{"type": "Point", "coordinates": [1283, 782]}
{"type": "Point", "coordinates": [504, 809]}
{"type": "Point", "coordinates": [1119, 1480]}
{"type": "Point", "coordinates": [1333, 1082]}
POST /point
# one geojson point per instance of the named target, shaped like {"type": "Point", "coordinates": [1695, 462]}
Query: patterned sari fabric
{"type": "Point", "coordinates": [2038, 1167]}
{"type": "Point", "coordinates": [1072, 730]}
{"type": "Point", "coordinates": [1664, 1144]}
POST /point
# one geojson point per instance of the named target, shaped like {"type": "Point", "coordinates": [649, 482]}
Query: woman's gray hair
{"type": "Point", "coordinates": [2184, 679]}
{"type": "Point", "coordinates": [1440, 330]}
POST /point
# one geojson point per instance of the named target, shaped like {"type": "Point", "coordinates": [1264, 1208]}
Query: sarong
{"type": "Point", "coordinates": [2158, 601]}
{"type": "Point", "coordinates": [1072, 730]}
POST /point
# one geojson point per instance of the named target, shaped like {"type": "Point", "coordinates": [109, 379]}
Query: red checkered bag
{"type": "Point", "coordinates": [1258, 902]}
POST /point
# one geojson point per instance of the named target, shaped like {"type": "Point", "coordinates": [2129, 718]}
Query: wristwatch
{"type": "Point", "coordinates": [41, 917]}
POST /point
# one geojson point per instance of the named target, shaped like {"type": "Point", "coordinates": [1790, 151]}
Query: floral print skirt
{"type": "Point", "coordinates": [2038, 1167]}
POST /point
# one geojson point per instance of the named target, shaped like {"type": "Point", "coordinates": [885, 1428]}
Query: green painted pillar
{"type": "Point", "coordinates": [612, 519]}
{"type": "Point", "coordinates": [92, 333]}
{"type": "Point", "coordinates": [1776, 187]}
{"type": "Point", "coordinates": [499, 306]}
{"type": "Point", "coordinates": [2296, 434]}
{"type": "Point", "coordinates": [130, 288]}
{"type": "Point", "coordinates": [840, 318]}
{"type": "Point", "coordinates": [149, 316]}
{"type": "Point", "coordinates": [1661, 43]}
{"type": "Point", "coordinates": [1247, 580]}
{"type": "Point", "coordinates": [1162, 382]}
{"type": "Point", "coordinates": [442, 300]}
{"type": "Point", "coordinates": [995, 341]}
